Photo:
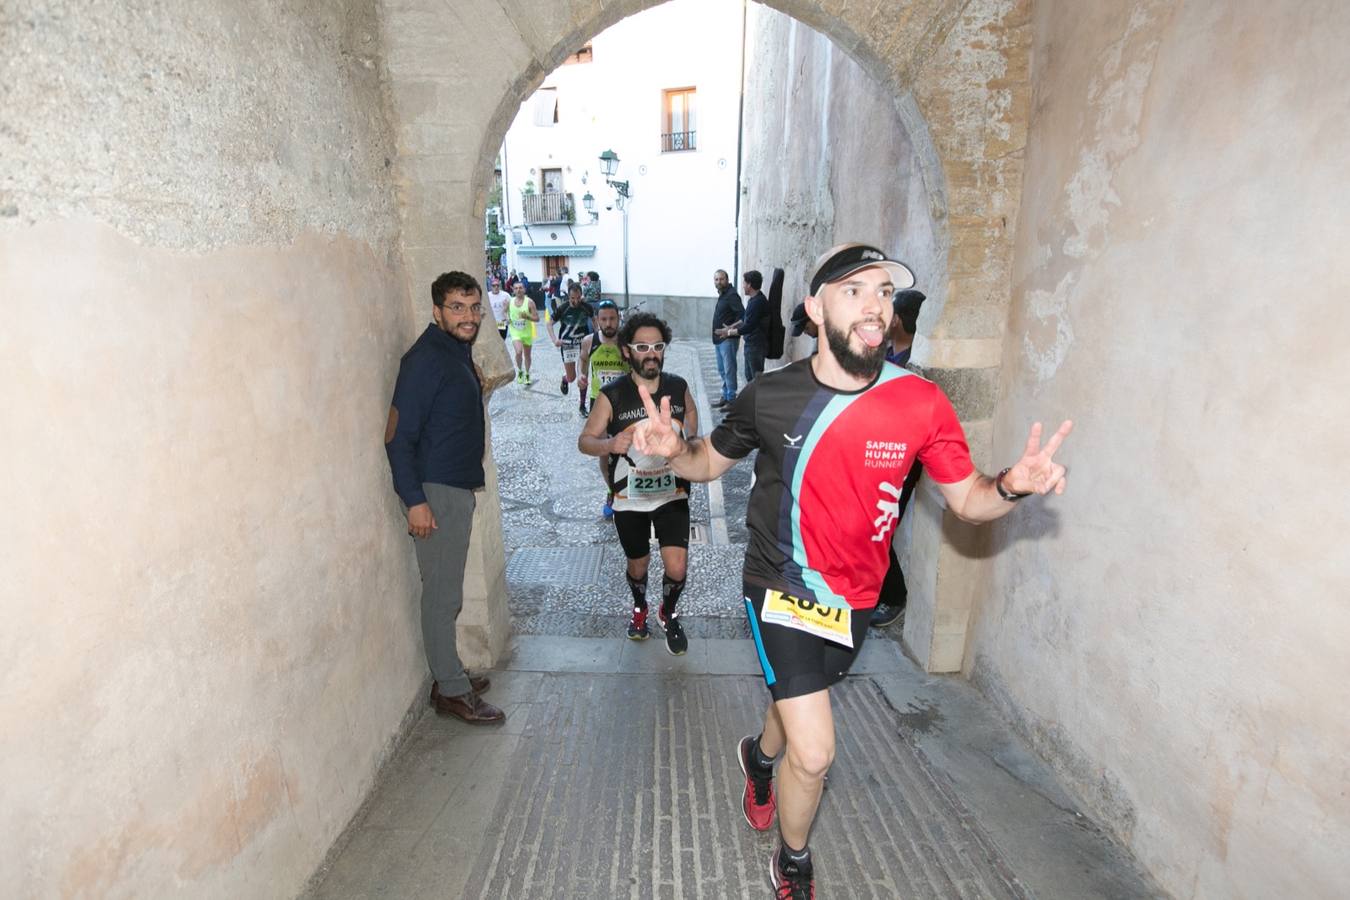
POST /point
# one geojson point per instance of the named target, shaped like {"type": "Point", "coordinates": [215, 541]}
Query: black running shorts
{"type": "Point", "coordinates": [796, 663]}
{"type": "Point", "coordinates": [670, 520]}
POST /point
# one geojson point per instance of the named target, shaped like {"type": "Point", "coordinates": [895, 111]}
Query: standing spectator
{"type": "Point", "coordinates": [554, 290]}
{"type": "Point", "coordinates": [906, 323]}
{"type": "Point", "coordinates": [728, 311]}
{"type": "Point", "coordinates": [590, 288]}
{"type": "Point", "coordinates": [801, 322]}
{"type": "Point", "coordinates": [435, 441]}
{"type": "Point", "coordinates": [753, 328]}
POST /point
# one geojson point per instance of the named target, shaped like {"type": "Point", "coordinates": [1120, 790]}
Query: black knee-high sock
{"type": "Point", "coordinates": [639, 588]}
{"type": "Point", "coordinates": [670, 595]}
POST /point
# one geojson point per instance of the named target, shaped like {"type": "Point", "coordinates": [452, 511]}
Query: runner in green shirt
{"type": "Point", "coordinates": [521, 316]}
{"type": "Point", "coordinates": [601, 363]}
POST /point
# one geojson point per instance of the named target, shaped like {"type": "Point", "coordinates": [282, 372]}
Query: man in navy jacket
{"type": "Point", "coordinates": [435, 441]}
{"type": "Point", "coordinates": [753, 327]}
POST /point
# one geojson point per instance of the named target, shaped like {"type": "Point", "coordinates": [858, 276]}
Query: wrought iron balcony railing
{"type": "Point", "coordinates": [549, 209]}
{"type": "Point", "coordinates": [679, 140]}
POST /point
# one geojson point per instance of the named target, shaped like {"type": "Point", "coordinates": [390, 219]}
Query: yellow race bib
{"type": "Point", "coordinates": [832, 624]}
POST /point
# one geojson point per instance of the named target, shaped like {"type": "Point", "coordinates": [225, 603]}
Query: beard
{"type": "Point", "coordinates": [608, 333]}
{"type": "Point", "coordinates": [454, 332]}
{"type": "Point", "coordinates": [860, 365]}
{"type": "Point", "coordinates": [650, 368]}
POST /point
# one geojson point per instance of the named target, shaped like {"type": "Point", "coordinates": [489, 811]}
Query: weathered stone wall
{"type": "Point", "coordinates": [810, 182]}
{"type": "Point", "coordinates": [1171, 633]}
{"type": "Point", "coordinates": [210, 630]}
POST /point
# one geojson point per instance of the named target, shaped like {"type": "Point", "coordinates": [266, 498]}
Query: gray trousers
{"type": "Point", "coordinates": [441, 559]}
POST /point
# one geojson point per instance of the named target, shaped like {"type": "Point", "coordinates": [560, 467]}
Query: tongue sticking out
{"type": "Point", "coordinates": [870, 336]}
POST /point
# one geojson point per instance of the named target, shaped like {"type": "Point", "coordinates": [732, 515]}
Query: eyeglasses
{"type": "Point", "coordinates": [648, 348]}
{"type": "Point", "coordinates": [460, 309]}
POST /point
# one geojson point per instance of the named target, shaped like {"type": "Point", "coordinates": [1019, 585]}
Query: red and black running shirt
{"type": "Point", "coordinates": [830, 469]}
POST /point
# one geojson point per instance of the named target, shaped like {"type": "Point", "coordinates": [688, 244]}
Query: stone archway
{"type": "Point", "coordinates": [959, 71]}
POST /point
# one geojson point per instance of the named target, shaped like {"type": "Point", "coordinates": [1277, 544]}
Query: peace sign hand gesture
{"type": "Point", "coordinates": [654, 435]}
{"type": "Point", "coordinates": [1037, 472]}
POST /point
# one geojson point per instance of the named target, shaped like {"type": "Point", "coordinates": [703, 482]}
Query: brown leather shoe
{"type": "Point", "coordinates": [479, 684]}
{"type": "Point", "coordinates": [469, 707]}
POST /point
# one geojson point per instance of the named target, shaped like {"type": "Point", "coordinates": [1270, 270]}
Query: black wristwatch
{"type": "Point", "coordinates": [1004, 492]}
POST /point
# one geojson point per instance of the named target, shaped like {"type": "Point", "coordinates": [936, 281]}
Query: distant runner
{"type": "Point", "coordinates": [601, 363]}
{"type": "Point", "coordinates": [574, 323]}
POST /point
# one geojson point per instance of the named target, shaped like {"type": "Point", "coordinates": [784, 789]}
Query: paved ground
{"type": "Point", "coordinates": [614, 775]}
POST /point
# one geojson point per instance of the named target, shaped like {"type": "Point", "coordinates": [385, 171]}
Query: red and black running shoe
{"type": "Point", "coordinates": [758, 803]}
{"type": "Point", "coordinates": [676, 641]}
{"type": "Point", "coordinates": [637, 627]}
{"type": "Point", "coordinates": [791, 880]}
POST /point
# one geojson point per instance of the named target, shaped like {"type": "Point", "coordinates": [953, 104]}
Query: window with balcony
{"type": "Point", "coordinates": [678, 117]}
{"type": "Point", "coordinates": [553, 208]}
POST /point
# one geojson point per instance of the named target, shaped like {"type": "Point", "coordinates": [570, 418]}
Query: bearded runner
{"type": "Point", "coordinates": [836, 434]}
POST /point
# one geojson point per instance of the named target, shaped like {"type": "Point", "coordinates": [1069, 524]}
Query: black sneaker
{"type": "Point", "coordinates": [885, 614]}
{"type": "Point", "coordinates": [637, 626]}
{"type": "Point", "coordinates": [563, 386]}
{"type": "Point", "coordinates": [676, 642]}
{"type": "Point", "coordinates": [790, 880]}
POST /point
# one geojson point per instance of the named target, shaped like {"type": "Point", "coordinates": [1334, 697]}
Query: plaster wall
{"type": "Point", "coordinates": [211, 634]}
{"type": "Point", "coordinates": [1171, 632]}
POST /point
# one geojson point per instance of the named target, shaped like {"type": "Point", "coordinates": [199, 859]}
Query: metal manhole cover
{"type": "Point", "coordinates": [569, 566]}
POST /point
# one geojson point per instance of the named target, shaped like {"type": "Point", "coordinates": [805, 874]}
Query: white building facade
{"type": "Point", "coordinates": [673, 119]}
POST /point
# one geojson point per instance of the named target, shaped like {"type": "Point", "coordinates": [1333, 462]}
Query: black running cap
{"type": "Point", "coordinates": [846, 259]}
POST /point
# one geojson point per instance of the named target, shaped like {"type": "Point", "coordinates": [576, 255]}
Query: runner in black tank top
{"type": "Point", "coordinates": [647, 494]}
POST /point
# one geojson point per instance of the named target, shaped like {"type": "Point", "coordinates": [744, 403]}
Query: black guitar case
{"type": "Point", "coordinates": [777, 331]}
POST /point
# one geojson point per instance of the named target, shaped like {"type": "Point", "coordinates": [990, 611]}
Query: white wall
{"type": "Point", "coordinates": [682, 216]}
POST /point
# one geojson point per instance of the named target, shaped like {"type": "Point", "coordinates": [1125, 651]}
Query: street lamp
{"type": "Point", "coordinates": [589, 203]}
{"type": "Point", "coordinates": [609, 166]}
